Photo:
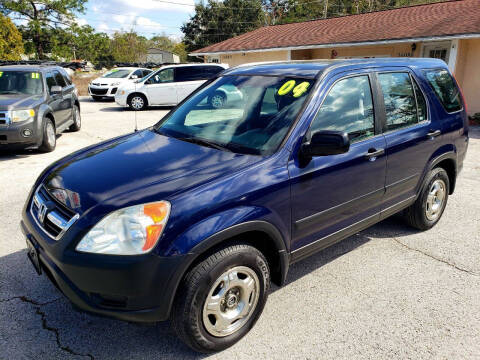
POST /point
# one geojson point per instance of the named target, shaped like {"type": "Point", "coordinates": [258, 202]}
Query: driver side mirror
{"type": "Point", "coordinates": [326, 142]}
{"type": "Point", "coordinates": [55, 90]}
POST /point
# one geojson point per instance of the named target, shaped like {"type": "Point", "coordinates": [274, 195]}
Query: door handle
{"type": "Point", "coordinates": [433, 134]}
{"type": "Point", "coordinates": [372, 154]}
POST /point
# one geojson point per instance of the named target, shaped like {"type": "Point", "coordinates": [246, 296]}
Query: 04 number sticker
{"type": "Point", "coordinates": [297, 90]}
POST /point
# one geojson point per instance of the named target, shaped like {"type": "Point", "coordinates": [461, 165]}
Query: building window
{"type": "Point", "coordinates": [437, 50]}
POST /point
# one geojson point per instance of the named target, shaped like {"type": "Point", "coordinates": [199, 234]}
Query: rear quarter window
{"type": "Point", "coordinates": [445, 88]}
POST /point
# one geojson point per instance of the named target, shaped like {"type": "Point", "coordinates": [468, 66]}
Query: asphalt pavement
{"type": "Point", "coordinates": [388, 292]}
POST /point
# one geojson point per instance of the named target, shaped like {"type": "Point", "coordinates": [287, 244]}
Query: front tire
{"type": "Point", "coordinates": [49, 141]}
{"type": "Point", "coordinates": [77, 120]}
{"type": "Point", "coordinates": [137, 102]}
{"type": "Point", "coordinates": [427, 210]}
{"type": "Point", "coordinates": [221, 298]}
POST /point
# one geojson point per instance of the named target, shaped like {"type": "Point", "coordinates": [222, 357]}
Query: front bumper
{"type": "Point", "coordinates": [12, 134]}
{"type": "Point", "coordinates": [121, 99]}
{"type": "Point", "coordinates": [104, 91]}
{"type": "Point", "coordinates": [132, 288]}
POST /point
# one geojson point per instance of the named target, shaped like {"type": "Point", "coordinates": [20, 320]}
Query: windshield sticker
{"type": "Point", "coordinates": [286, 88]}
{"type": "Point", "coordinates": [300, 89]}
{"type": "Point", "coordinates": [1, 73]}
{"type": "Point", "coordinates": [114, 70]}
{"type": "Point", "coordinates": [35, 75]}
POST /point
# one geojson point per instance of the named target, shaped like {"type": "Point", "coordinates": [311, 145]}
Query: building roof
{"type": "Point", "coordinates": [443, 19]}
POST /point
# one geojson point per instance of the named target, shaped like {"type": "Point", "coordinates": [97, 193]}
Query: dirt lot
{"type": "Point", "coordinates": [387, 292]}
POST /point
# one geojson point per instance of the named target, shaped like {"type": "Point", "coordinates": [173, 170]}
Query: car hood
{"type": "Point", "coordinates": [18, 101]}
{"type": "Point", "coordinates": [141, 167]}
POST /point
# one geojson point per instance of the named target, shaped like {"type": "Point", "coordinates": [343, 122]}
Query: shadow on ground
{"type": "Point", "coordinates": [82, 334]}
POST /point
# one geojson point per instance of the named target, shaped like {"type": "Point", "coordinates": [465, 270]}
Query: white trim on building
{"type": "Point", "coordinates": [338, 45]}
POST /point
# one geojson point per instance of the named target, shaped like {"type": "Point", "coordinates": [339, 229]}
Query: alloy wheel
{"type": "Point", "coordinates": [231, 301]}
{"type": "Point", "coordinates": [435, 200]}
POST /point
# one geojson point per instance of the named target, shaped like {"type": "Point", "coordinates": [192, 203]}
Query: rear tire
{"type": "Point", "coordinates": [221, 298]}
{"type": "Point", "coordinates": [427, 210]}
{"type": "Point", "coordinates": [49, 141]}
{"type": "Point", "coordinates": [77, 119]}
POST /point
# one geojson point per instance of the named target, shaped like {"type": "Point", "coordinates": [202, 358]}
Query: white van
{"type": "Point", "coordinates": [107, 84]}
{"type": "Point", "coordinates": [167, 86]}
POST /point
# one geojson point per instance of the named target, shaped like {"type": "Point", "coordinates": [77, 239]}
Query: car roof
{"type": "Point", "coordinates": [131, 68]}
{"type": "Point", "coordinates": [313, 68]}
{"type": "Point", "coordinates": [37, 68]}
{"type": "Point", "coordinates": [197, 64]}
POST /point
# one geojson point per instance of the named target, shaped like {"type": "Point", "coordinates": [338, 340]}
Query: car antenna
{"type": "Point", "coordinates": [135, 110]}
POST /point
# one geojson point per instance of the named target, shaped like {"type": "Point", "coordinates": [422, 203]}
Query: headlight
{"type": "Point", "coordinates": [130, 231]}
{"type": "Point", "coordinates": [22, 115]}
{"type": "Point", "coordinates": [116, 84]}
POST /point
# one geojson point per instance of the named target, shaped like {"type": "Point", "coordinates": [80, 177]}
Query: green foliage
{"type": "Point", "coordinates": [128, 47]}
{"type": "Point", "coordinates": [43, 17]}
{"type": "Point", "coordinates": [216, 21]}
{"type": "Point", "coordinates": [11, 45]}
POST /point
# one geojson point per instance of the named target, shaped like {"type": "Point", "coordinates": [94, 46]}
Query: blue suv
{"type": "Point", "coordinates": [192, 218]}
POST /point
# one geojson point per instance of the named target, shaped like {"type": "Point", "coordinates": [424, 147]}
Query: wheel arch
{"type": "Point", "coordinates": [262, 235]}
{"type": "Point", "coordinates": [138, 93]}
{"type": "Point", "coordinates": [448, 162]}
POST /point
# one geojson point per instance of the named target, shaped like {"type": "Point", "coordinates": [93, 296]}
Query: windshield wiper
{"type": "Point", "coordinates": [208, 143]}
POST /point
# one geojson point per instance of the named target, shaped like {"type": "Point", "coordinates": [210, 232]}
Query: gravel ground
{"type": "Point", "coordinates": [387, 292]}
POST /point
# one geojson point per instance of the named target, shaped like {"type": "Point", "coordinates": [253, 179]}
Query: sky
{"type": "Point", "coordinates": [146, 17]}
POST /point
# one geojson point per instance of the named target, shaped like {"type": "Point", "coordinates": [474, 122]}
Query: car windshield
{"type": "Point", "coordinates": [21, 82]}
{"type": "Point", "coordinates": [117, 73]}
{"type": "Point", "coordinates": [242, 114]}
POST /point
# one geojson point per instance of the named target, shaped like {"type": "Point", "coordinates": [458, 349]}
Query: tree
{"type": "Point", "coordinates": [42, 16]}
{"type": "Point", "coordinates": [180, 50]}
{"type": "Point", "coordinates": [11, 45]}
{"type": "Point", "coordinates": [216, 21]}
{"type": "Point", "coordinates": [128, 46]}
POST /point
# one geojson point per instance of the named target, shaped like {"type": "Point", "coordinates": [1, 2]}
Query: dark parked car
{"type": "Point", "coordinates": [192, 218]}
{"type": "Point", "coordinates": [36, 103]}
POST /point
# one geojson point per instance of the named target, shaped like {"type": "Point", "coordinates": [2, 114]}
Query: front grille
{"type": "Point", "coordinates": [4, 118]}
{"type": "Point", "coordinates": [53, 217]}
{"type": "Point", "coordinates": [98, 91]}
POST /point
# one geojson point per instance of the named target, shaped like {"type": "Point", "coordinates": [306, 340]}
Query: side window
{"type": "Point", "coordinates": [164, 76]}
{"type": "Point", "coordinates": [59, 78]}
{"type": "Point", "coordinates": [421, 103]}
{"type": "Point", "coordinates": [50, 81]}
{"type": "Point", "coordinates": [186, 73]}
{"type": "Point", "coordinates": [207, 72]}
{"type": "Point", "coordinates": [445, 89]}
{"type": "Point", "coordinates": [138, 73]}
{"type": "Point", "coordinates": [146, 72]}
{"type": "Point", "coordinates": [399, 98]}
{"type": "Point", "coordinates": [348, 107]}
{"type": "Point", "coordinates": [66, 77]}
